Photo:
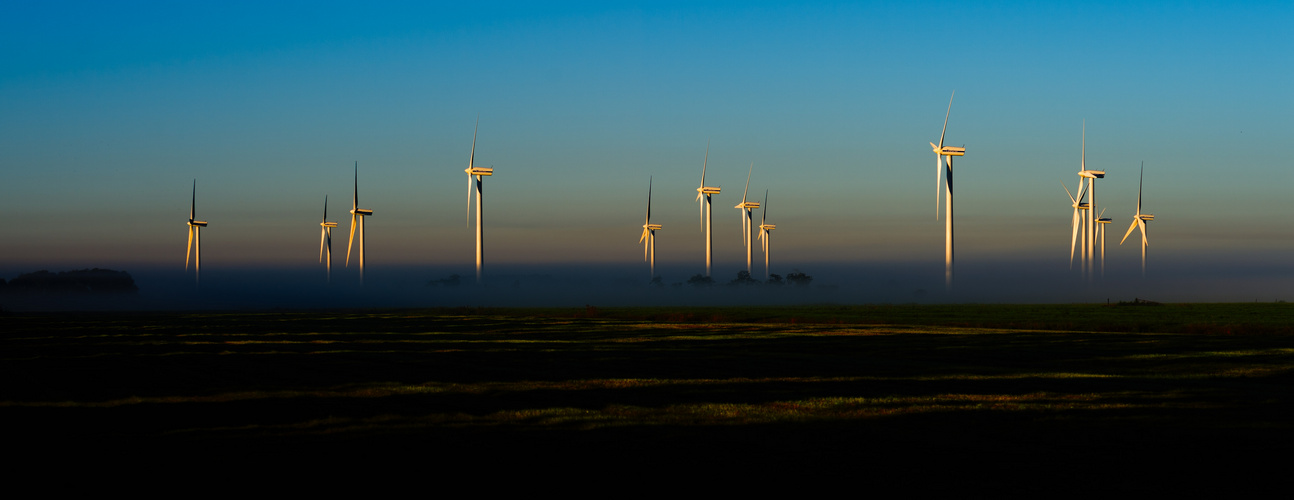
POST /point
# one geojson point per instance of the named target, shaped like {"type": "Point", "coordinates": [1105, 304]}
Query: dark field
{"type": "Point", "coordinates": [1053, 396]}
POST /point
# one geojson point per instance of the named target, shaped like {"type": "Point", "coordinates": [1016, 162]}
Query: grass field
{"type": "Point", "coordinates": [1053, 392]}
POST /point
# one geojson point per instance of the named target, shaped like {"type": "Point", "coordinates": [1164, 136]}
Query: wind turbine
{"type": "Point", "coordinates": [1139, 220]}
{"type": "Point", "coordinates": [357, 214]}
{"type": "Point", "coordinates": [1079, 221]}
{"type": "Point", "coordinates": [325, 239]}
{"type": "Point", "coordinates": [765, 233]}
{"type": "Point", "coordinates": [746, 219]}
{"type": "Point", "coordinates": [648, 238]}
{"type": "Point", "coordinates": [940, 152]}
{"type": "Point", "coordinates": [1089, 231]}
{"type": "Point", "coordinates": [479, 173]}
{"type": "Point", "coordinates": [706, 192]}
{"type": "Point", "coordinates": [195, 236]}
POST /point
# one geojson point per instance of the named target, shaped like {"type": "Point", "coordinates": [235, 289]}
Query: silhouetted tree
{"type": "Point", "coordinates": [657, 281]}
{"type": "Point", "coordinates": [743, 278]}
{"type": "Point", "coordinates": [700, 280]}
{"type": "Point", "coordinates": [798, 278]}
{"type": "Point", "coordinates": [775, 279]}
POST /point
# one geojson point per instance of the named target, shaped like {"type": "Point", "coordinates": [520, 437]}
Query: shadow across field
{"type": "Point", "coordinates": [815, 390]}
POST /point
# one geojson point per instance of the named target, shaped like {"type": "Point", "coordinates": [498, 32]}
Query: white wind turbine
{"type": "Point", "coordinates": [940, 152]}
{"type": "Point", "coordinates": [747, 220]}
{"type": "Point", "coordinates": [765, 233]}
{"type": "Point", "coordinates": [195, 237]}
{"type": "Point", "coordinates": [1139, 220]}
{"type": "Point", "coordinates": [1090, 226]}
{"type": "Point", "coordinates": [325, 239]}
{"type": "Point", "coordinates": [703, 194]}
{"type": "Point", "coordinates": [357, 215]}
{"type": "Point", "coordinates": [476, 175]}
{"type": "Point", "coordinates": [648, 238]}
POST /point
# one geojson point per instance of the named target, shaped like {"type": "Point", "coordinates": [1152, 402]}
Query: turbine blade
{"type": "Point", "coordinates": [1142, 224]}
{"type": "Point", "coordinates": [325, 216]}
{"type": "Point", "coordinates": [471, 158]}
{"type": "Point", "coordinates": [1071, 196]}
{"type": "Point", "coordinates": [352, 239]}
{"type": "Point", "coordinates": [705, 161]}
{"type": "Point", "coordinates": [354, 201]}
{"type": "Point", "coordinates": [763, 216]}
{"type": "Point", "coordinates": [193, 203]}
{"type": "Point", "coordinates": [939, 173]}
{"type": "Point", "coordinates": [649, 182]}
{"type": "Point", "coordinates": [950, 112]}
{"type": "Point", "coordinates": [188, 249]}
{"type": "Point", "coordinates": [1073, 239]}
{"type": "Point", "coordinates": [747, 190]}
{"type": "Point", "coordinates": [469, 200]}
{"type": "Point", "coordinates": [1139, 183]}
{"type": "Point", "coordinates": [323, 233]}
{"type": "Point", "coordinates": [1082, 165]}
{"type": "Point", "coordinates": [1130, 229]}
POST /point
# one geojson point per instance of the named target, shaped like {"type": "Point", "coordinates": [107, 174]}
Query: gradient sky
{"type": "Point", "coordinates": [108, 111]}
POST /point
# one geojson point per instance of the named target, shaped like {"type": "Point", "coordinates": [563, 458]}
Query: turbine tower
{"type": "Point", "coordinates": [357, 215]}
{"type": "Point", "coordinates": [703, 194]}
{"type": "Point", "coordinates": [325, 239]}
{"type": "Point", "coordinates": [476, 175]}
{"type": "Point", "coordinates": [1139, 220]}
{"type": "Point", "coordinates": [747, 220]}
{"type": "Point", "coordinates": [1089, 228]}
{"type": "Point", "coordinates": [648, 238]}
{"type": "Point", "coordinates": [195, 237]}
{"type": "Point", "coordinates": [1100, 233]}
{"type": "Point", "coordinates": [940, 152]}
{"type": "Point", "coordinates": [765, 233]}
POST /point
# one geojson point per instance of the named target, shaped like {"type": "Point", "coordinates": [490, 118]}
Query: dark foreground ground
{"type": "Point", "coordinates": [974, 398]}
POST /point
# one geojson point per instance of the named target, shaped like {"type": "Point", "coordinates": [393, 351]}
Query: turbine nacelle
{"type": "Point", "coordinates": [479, 170]}
{"type": "Point", "coordinates": [748, 205]}
{"type": "Point", "coordinates": [363, 212]}
{"type": "Point", "coordinates": [1092, 174]}
{"type": "Point", "coordinates": [706, 190]}
{"type": "Point", "coordinates": [1146, 217]}
{"type": "Point", "coordinates": [203, 223]}
{"type": "Point", "coordinates": [328, 224]}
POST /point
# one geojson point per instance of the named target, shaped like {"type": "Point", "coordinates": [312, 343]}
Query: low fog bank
{"type": "Point", "coordinates": [628, 285]}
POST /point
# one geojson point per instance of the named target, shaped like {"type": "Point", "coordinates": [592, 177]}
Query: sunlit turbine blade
{"type": "Point", "coordinates": [1067, 193]}
{"type": "Point", "coordinates": [705, 161]}
{"type": "Point", "coordinates": [325, 216]}
{"type": "Point", "coordinates": [939, 174]}
{"type": "Point", "coordinates": [747, 189]}
{"type": "Point", "coordinates": [1130, 229]}
{"type": "Point", "coordinates": [946, 115]}
{"type": "Point", "coordinates": [763, 217]}
{"type": "Point", "coordinates": [1142, 223]}
{"type": "Point", "coordinates": [1082, 165]}
{"type": "Point", "coordinates": [469, 200]}
{"type": "Point", "coordinates": [352, 238]}
{"type": "Point", "coordinates": [354, 201]}
{"type": "Point", "coordinates": [323, 232]}
{"type": "Point", "coordinates": [188, 249]}
{"type": "Point", "coordinates": [193, 203]}
{"type": "Point", "coordinates": [1073, 239]}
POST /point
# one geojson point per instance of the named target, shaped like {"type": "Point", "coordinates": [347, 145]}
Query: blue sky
{"type": "Point", "coordinates": [109, 111]}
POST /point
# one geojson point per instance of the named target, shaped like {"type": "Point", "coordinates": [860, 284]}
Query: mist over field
{"type": "Point", "coordinates": [250, 288]}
